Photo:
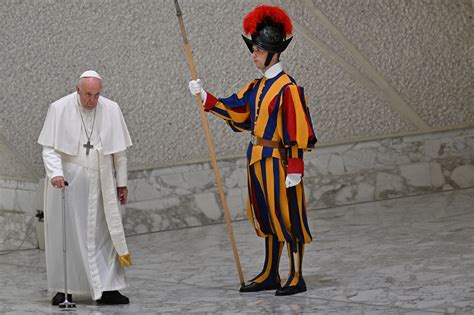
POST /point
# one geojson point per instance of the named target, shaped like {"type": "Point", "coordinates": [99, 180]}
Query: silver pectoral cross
{"type": "Point", "coordinates": [88, 146]}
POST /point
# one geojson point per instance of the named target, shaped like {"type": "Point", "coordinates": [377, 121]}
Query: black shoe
{"type": "Point", "coordinates": [256, 287]}
{"type": "Point", "coordinates": [294, 289]}
{"type": "Point", "coordinates": [112, 298]}
{"type": "Point", "coordinates": [59, 298]}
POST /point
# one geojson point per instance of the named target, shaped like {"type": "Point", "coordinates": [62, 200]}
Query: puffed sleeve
{"type": "Point", "coordinates": [234, 109]}
{"type": "Point", "coordinates": [297, 125]}
{"type": "Point", "coordinates": [298, 134]}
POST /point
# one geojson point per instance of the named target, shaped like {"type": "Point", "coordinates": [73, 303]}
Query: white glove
{"type": "Point", "coordinates": [292, 180]}
{"type": "Point", "coordinates": [195, 87]}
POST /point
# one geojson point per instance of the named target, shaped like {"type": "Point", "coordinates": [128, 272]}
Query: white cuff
{"type": "Point", "coordinates": [120, 165]}
{"type": "Point", "coordinates": [292, 180]}
{"type": "Point", "coordinates": [203, 96]}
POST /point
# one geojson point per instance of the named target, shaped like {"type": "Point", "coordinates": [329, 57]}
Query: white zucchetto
{"type": "Point", "coordinates": [90, 74]}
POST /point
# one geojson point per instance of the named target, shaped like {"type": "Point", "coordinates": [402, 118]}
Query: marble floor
{"type": "Point", "coordinates": [410, 255]}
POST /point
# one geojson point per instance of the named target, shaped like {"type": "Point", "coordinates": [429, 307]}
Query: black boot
{"type": "Point", "coordinates": [268, 279]}
{"type": "Point", "coordinates": [295, 275]}
{"type": "Point", "coordinates": [59, 298]}
{"type": "Point", "coordinates": [113, 298]}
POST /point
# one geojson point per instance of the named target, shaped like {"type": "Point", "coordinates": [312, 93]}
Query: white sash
{"type": "Point", "coordinates": [113, 215]}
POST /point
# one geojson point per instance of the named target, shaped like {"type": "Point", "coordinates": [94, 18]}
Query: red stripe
{"type": "Point", "coordinates": [242, 109]}
{"type": "Point", "coordinates": [295, 166]}
{"type": "Point", "coordinates": [211, 101]}
{"type": "Point", "coordinates": [271, 106]}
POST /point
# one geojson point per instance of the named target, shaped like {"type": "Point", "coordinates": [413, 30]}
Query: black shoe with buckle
{"type": "Point", "coordinates": [268, 284]}
{"type": "Point", "coordinates": [113, 298]}
{"type": "Point", "coordinates": [294, 289]}
{"type": "Point", "coordinates": [59, 298]}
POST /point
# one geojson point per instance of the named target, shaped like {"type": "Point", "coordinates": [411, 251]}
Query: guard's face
{"type": "Point", "coordinates": [259, 56]}
{"type": "Point", "coordinates": [89, 91]}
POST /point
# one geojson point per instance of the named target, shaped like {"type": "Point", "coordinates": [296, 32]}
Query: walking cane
{"type": "Point", "coordinates": [66, 303]}
{"type": "Point", "coordinates": [210, 145]}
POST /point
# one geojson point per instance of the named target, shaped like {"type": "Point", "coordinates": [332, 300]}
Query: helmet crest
{"type": "Point", "coordinates": [269, 28]}
{"type": "Point", "coordinates": [267, 14]}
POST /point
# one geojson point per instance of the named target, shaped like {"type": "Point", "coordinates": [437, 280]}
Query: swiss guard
{"type": "Point", "coordinates": [273, 109]}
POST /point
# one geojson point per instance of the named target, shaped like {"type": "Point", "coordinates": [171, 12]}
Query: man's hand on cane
{"type": "Point", "coordinates": [122, 193]}
{"type": "Point", "coordinates": [58, 182]}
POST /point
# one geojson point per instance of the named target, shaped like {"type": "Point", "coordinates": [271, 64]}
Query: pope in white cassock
{"type": "Point", "coordinates": [84, 140]}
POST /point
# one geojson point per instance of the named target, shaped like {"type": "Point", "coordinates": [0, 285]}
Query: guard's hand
{"type": "Point", "coordinates": [292, 180]}
{"type": "Point", "coordinates": [58, 182]}
{"type": "Point", "coordinates": [122, 193]}
{"type": "Point", "coordinates": [195, 87]}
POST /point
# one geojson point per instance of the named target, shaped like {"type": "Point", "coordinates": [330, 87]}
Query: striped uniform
{"type": "Point", "coordinates": [272, 109]}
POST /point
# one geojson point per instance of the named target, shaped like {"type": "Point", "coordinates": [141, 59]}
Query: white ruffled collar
{"type": "Point", "coordinates": [273, 71]}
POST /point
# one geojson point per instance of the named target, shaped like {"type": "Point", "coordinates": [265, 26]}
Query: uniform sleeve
{"type": "Point", "coordinates": [297, 126]}
{"type": "Point", "coordinates": [298, 133]}
{"type": "Point", "coordinates": [234, 109]}
{"type": "Point", "coordinates": [120, 165]}
{"type": "Point", "coordinates": [52, 162]}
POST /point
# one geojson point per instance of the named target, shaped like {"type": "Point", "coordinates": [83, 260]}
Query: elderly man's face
{"type": "Point", "coordinates": [89, 91]}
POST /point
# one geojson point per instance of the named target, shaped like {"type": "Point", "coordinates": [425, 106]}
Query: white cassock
{"type": "Point", "coordinates": [96, 246]}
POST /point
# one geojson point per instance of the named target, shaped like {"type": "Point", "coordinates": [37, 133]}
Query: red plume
{"type": "Point", "coordinates": [257, 15]}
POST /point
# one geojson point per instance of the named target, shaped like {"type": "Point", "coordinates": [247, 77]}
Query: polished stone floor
{"type": "Point", "coordinates": [410, 255]}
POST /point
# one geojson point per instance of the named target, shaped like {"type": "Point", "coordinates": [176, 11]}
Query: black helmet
{"type": "Point", "coordinates": [268, 27]}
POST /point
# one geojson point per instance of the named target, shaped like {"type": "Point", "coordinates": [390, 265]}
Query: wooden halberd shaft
{"type": "Point", "coordinates": [210, 144]}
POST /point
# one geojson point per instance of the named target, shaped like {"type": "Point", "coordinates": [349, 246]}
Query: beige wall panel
{"type": "Point", "coordinates": [422, 48]}
{"type": "Point", "coordinates": [136, 46]}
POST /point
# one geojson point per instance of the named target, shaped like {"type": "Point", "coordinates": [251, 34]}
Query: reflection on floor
{"type": "Point", "coordinates": [403, 256]}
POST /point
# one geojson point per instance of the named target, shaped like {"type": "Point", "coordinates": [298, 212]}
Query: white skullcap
{"type": "Point", "coordinates": [90, 74]}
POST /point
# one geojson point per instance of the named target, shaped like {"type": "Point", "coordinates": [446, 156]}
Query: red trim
{"type": "Point", "coordinates": [295, 166]}
{"type": "Point", "coordinates": [211, 101]}
{"type": "Point", "coordinates": [241, 109]}
{"type": "Point", "coordinates": [271, 106]}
